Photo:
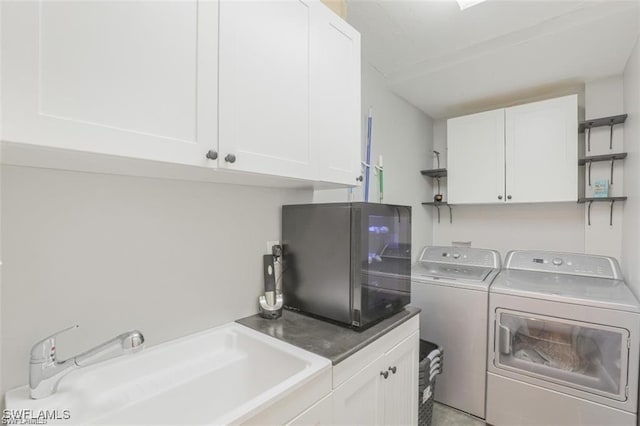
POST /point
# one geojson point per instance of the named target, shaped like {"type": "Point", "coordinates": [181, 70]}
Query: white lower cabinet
{"type": "Point", "coordinates": [377, 385]}
{"type": "Point", "coordinates": [385, 390]}
{"type": "Point", "coordinates": [319, 413]}
{"type": "Point", "coordinates": [401, 387]}
{"type": "Point", "coordinates": [360, 400]}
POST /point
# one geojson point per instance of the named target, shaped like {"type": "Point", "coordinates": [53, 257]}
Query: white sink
{"type": "Point", "coordinates": [229, 374]}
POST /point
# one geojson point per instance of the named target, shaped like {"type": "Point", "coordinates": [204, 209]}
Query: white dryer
{"type": "Point", "coordinates": [450, 285]}
{"type": "Point", "coordinates": [564, 336]}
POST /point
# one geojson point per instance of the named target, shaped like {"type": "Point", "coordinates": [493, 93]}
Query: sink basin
{"type": "Point", "coordinates": [227, 375]}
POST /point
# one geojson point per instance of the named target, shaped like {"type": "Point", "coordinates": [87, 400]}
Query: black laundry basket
{"type": "Point", "coordinates": [430, 365]}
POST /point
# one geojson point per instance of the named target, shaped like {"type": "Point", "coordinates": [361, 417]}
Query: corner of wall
{"type": "Point", "coordinates": [403, 135]}
{"type": "Point", "coordinates": [1, 121]}
{"type": "Point", "coordinates": [631, 237]}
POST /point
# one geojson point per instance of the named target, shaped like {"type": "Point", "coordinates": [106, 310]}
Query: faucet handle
{"type": "Point", "coordinates": [45, 349]}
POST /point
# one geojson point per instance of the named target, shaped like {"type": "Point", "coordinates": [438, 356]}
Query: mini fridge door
{"type": "Point", "coordinates": [382, 260]}
{"type": "Point", "coordinates": [580, 355]}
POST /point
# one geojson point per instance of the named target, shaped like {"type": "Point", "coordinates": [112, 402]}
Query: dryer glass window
{"type": "Point", "coordinates": [580, 355]}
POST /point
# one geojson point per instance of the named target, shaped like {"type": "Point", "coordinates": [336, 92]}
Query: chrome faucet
{"type": "Point", "coordinates": [45, 371]}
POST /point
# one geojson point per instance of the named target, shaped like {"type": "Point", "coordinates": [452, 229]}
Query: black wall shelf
{"type": "Point", "coordinates": [585, 127]}
{"type": "Point", "coordinates": [435, 173]}
{"type": "Point", "coordinates": [602, 199]}
{"type": "Point", "coordinates": [601, 122]}
{"type": "Point", "coordinates": [606, 157]}
{"type": "Point", "coordinates": [436, 204]}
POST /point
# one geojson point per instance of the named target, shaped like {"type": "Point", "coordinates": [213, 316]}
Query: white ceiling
{"type": "Point", "coordinates": [450, 62]}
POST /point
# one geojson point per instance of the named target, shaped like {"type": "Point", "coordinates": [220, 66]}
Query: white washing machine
{"type": "Point", "coordinates": [564, 336]}
{"type": "Point", "coordinates": [451, 285]}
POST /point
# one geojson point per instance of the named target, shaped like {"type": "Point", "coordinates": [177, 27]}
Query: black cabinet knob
{"type": "Point", "coordinates": [212, 155]}
{"type": "Point", "coordinates": [499, 197]}
{"type": "Point", "coordinates": [384, 374]}
{"type": "Point", "coordinates": [359, 178]}
{"type": "Point", "coordinates": [393, 369]}
{"type": "Point", "coordinates": [230, 158]}
{"type": "Point", "coordinates": [508, 197]}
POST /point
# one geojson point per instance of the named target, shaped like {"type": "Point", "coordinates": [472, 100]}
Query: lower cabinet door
{"type": "Point", "coordinates": [360, 400]}
{"type": "Point", "coordinates": [320, 413]}
{"type": "Point", "coordinates": [401, 387]}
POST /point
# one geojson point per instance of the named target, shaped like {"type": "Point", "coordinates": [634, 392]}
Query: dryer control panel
{"type": "Point", "coordinates": [564, 263]}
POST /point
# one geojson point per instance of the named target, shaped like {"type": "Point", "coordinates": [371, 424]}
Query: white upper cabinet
{"type": "Point", "coordinates": [264, 87]}
{"type": "Point", "coordinates": [542, 151]}
{"type": "Point", "coordinates": [475, 158]}
{"type": "Point", "coordinates": [268, 88]}
{"type": "Point", "coordinates": [335, 98]}
{"type": "Point", "coordinates": [522, 154]}
{"type": "Point", "coordinates": [131, 79]}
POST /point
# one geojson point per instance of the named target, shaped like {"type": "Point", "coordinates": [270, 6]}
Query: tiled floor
{"type": "Point", "coordinates": [447, 416]}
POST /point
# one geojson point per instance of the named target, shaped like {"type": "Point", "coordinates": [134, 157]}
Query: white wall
{"type": "Point", "coordinates": [402, 134]}
{"type": "Point", "coordinates": [631, 237]}
{"type": "Point", "coordinates": [112, 253]}
{"type": "Point", "coordinates": [552, 226]}
{"type": "Point", "coordinates": [1, 297]}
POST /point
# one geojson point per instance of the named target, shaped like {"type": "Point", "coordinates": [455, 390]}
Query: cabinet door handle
{"type": "Point", "coordinates": [508, 197]}
{"type": "Point", "coordinates": [359, 178]}
{"type": "Point", "coordinates": [212, 155]}
{"type": "Point", "coordinates": [499, 197]}
{"type": "Point", "coordinates": [384, 374]}
{"type": "Point", "coordinates": [230, 158]}
{"type": "Point", "coordinates": [393, 369]}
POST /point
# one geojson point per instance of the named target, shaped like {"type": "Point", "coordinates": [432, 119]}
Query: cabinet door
{"type": "Point", "coordinates": [401, 388]}
{"type": "Point", "coordinates": [542, 151]}
{"type": "Point", "coordinates": [360, 400]}
{"type": "Point", "coordinates": [320, 413]}
{"type": "Point", "coordinates": [264, 87]}
{"type": "Point", "coordinates": [475, 158]}
{"type": "Point", "coordinates": [133, 79]}
{"type": "Point", "coordinates": [335, 98]}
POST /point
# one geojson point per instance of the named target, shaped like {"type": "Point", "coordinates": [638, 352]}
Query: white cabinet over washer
{"type": "Point", "coordinates": [522, 154]}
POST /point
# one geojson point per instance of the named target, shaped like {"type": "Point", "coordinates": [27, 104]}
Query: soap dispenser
{"type": "Point", "coordinates": [272, 301]}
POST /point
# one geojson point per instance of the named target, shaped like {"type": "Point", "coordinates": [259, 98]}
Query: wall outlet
{"type": "Point", "coordinates": [271, 244]}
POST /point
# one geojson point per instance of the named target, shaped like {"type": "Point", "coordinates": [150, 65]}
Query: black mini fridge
{"type": "Point", "coordinates": [347, 262]}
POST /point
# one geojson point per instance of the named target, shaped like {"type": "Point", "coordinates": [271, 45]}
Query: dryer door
{"type": "Point", "coordinates": [585, 356]}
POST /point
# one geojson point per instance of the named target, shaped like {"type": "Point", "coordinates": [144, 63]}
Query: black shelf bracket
{"type": "Point", "coordinates": [587, 125]}
{"type": "Point", "coordinates": [597, 158]}
{"type": "Point", "coordinates": [590, 201]}
{"type": "Point", "coordinates": [437, 206]}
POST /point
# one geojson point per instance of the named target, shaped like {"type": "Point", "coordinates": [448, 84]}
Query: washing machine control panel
{"type": "Point", "coordinates": [566, 263]}
{"type": "Point", "coordinates": [461, 256]}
